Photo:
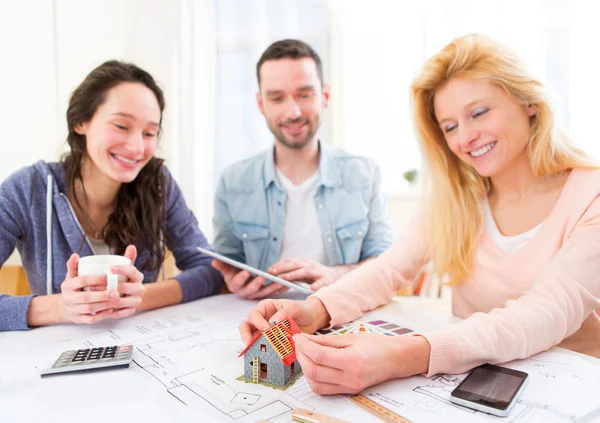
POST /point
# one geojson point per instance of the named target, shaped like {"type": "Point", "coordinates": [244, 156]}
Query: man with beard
{"type": "Point", "coordinates": [301, 210]}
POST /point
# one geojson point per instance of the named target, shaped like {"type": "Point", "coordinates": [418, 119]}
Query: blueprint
{"type": "Point", "coordinates": [562, 388]}
{"type": "Point", "coordinates": [185, 357]}
{"type": "Point", "coordinates": [186, 363]}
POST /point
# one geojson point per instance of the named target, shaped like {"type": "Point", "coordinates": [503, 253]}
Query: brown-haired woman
{"type": "Point", "coordinates": [108, 195]}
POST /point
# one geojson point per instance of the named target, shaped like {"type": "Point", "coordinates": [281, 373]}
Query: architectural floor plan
{"type": "Point", "coordinates": [186, 358]}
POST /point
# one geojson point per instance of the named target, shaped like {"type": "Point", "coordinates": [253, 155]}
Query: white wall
{"type": "Point", "coordinates": [28, 113]}
{"type": "Point", "coordinates": [48, 47]}
{"type": "Point", "coordinates": [371, 50]}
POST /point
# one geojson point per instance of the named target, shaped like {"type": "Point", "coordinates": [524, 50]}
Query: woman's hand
{"type": "Point", "coordinates": [129, 297]}
{"type": "Point", "coordinates": [78, 305]}
{"type": "Point", "coordinates": [347, 364]}
{"type": "Point", "coordinates": [310, 315]}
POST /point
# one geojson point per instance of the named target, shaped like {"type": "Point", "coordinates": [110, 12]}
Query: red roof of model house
{"type": "Point", "coordinates": [280, 338]}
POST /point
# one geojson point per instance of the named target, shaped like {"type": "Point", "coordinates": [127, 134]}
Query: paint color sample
{"type": "Point", "coordinates": [380, 327]}
{"type": "Point", "coordinates": [390, 326]}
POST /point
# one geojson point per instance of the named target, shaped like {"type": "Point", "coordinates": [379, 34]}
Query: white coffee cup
{"type": "Point", "coordinates": [100, 265]}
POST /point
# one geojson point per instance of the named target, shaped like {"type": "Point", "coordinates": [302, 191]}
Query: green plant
{"type": "Point", "coordinates": [411, 176]}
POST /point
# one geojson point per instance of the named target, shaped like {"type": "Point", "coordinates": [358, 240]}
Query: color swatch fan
{"type": "Point", "coordinates": [381, 327]}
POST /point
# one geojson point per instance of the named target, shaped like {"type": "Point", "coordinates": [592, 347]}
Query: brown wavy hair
{"type": "Point", "coordinates": [139, 214]}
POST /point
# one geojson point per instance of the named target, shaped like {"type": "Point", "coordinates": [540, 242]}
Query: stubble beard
{"type": "Point", "coordinates": [313, 127]}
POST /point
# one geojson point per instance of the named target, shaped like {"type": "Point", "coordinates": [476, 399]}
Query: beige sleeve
{"type": "Point", "coordinates": [375, 283]}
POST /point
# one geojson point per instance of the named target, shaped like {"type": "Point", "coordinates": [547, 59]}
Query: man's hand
{"type": "Point", "coordinates": [309, 271]}
{"type": "Point", "coordinates": [241, 282]}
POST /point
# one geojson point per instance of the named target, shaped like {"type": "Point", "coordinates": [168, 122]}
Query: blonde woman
{"type": "Point", "coordinates": [511, 216]}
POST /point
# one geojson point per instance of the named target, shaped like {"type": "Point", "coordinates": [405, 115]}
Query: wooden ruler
{"type": "Point", "coordinates": [378, 410]}
{"type": "Point", "coordinates": [305, 416]}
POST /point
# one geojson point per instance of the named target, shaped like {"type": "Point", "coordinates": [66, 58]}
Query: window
{"type": "Point", "coordinates": [263, 348]}
{"type": "Point", "coordinates": [380, 46]}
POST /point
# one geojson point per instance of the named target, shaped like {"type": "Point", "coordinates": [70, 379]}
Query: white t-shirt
{"type": "Point", "coordinates": [302, 236]}
{"type": "Point", "coordinates": [99, 246]}
{"type": "Point", "coordinates": [506, 243]}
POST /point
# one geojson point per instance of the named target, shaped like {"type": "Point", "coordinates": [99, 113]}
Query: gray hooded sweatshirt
{"type": "Point", "coordinates": [47, 236]}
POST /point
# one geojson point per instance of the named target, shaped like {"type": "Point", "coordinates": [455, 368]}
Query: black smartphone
{"type": "Point", "coordinates": [491, 389]}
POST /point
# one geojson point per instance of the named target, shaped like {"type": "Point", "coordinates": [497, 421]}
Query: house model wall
{"type": "Point", "coordinates": [271, 356]}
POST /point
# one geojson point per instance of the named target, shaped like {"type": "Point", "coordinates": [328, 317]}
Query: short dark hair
{"type": "Point", "coordinates": [289, 49]}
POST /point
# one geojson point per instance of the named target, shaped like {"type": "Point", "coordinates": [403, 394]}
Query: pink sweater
{"type": "Point", "coordinates": [516, 304]}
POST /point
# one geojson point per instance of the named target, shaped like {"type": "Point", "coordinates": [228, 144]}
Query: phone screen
{"type": "Point", "coordinates": [491, 385]}
{"type": "Point", "coordinates": [494, 385]}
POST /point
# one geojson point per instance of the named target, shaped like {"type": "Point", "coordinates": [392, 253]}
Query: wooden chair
{"type": "Point", "coordinates": [13, 281]}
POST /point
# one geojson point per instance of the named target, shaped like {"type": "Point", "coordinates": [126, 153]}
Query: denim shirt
{"type": "Point", "coordinates": [352, 211]}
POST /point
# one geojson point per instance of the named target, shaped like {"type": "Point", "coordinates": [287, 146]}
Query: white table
{"type": "Point", "coordinates": [115, 395]}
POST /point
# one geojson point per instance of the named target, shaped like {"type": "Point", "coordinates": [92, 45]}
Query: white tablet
{"type": "Point", "coordinates": [256, 272]}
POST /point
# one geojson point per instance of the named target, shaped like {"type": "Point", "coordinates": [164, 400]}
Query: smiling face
{"type": "Point", "coordinates": [482, 125]}
{"type": "Point", "coordinates": [122, 135]}
{"type": "Point", "coordinates": [292, 100]}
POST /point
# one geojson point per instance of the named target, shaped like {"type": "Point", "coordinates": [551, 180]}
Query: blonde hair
{"type": "Point", "coordinates": [455, 190]}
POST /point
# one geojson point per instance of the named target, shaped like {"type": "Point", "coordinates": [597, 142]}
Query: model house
{"type": "Point", "coordinates": [271, 356]}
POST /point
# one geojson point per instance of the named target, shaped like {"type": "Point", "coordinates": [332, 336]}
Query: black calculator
{"type": "Point", "coordinates": [91, 359]}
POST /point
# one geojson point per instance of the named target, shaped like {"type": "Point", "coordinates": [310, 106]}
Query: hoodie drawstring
{"type": "Point", "coordinates": [49, 236]}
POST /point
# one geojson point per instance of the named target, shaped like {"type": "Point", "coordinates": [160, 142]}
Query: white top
{"type": "Point", "coordinates": [99, 246]}
{"type": "Point", "coordinates": [506, 243]}
{"type": "Point", "coordinates": [302, 236]}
